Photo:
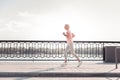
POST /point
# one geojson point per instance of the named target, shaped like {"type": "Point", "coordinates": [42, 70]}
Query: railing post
{"type": "Point", "coordinates": [116, 59]}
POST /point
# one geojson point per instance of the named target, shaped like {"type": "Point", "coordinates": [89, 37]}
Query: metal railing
{"type": "Point", "coordinates": [52, 50]}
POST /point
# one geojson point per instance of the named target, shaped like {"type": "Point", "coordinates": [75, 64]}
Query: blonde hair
{"type": "Point", "coordinates": [66, 26]}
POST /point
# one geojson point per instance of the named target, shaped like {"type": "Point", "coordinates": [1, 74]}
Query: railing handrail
{"type": "Point", "coordinates": [58, 41]}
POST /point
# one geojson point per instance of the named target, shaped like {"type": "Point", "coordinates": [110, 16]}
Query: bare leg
{"type": "Point", "coordinates": [73, 52]}
{"type": "Point", "coordinates": [65, 53]}
{"type": "Point", "coordinates": [76, 57]}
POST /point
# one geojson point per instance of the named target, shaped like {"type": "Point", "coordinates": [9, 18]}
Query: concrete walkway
{"type": "Point", "coordinates": [57, 66]}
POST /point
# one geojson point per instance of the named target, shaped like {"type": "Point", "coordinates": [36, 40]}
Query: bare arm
{"type": "Point", "coordinates": [64, 34]}
{"type": "Point", "coordinates": [73, 35]}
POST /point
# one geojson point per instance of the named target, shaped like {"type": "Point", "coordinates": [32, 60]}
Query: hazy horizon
{"type": "Point", "coordinates": [92, 20]}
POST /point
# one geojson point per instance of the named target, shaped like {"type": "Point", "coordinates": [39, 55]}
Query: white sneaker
{"type": "Point", "coordinates": [79, 63]}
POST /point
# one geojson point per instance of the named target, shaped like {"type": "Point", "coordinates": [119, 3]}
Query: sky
{"type": "Point", "coordinates": [89, 20]}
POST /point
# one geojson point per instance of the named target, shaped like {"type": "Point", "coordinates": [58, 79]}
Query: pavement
{"type": "Point", "coordinates": [58, 67]}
